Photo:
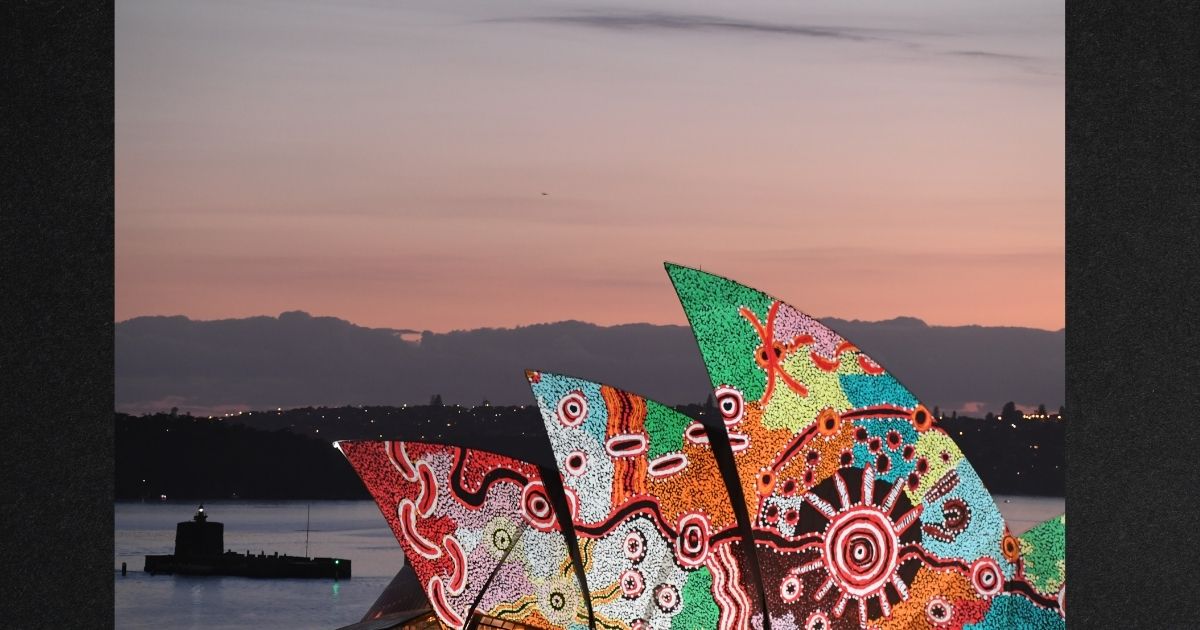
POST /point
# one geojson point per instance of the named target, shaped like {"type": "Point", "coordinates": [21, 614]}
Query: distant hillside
{"type": "Point", "coordinates": [297, 360]}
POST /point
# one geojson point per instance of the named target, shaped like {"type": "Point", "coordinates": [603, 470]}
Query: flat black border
{"type": "Point", "coordinates": [1133, 313]}
{"type": "Point", "coordinates": [56, 359]}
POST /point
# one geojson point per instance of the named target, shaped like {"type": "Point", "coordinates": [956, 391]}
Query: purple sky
{"type": "Point", "coordinates": [384, 162]}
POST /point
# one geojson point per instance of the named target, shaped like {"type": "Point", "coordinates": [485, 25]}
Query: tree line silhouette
{"type": "Point", "coordinates": [288, 454]}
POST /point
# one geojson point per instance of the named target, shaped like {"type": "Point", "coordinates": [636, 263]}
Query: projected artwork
{"type": "Point", "coordinates": [863, 512]}
{"type": "Point", "coordinates": [655, 523]}
{"type": "Point", "coordinates": [1043, 552]}
{"type": "Point", "coordinates": [866, 513]}
{"type": "Point", "coordinates": [478, 529]}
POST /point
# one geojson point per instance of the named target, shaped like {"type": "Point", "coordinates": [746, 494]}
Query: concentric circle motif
{"type": "Point", "coordinates": [791, 588]}
{"type": "Point", "coordinates": [501, 539]}
{"type": "Point", "coordinates": [558, 601]}
{"type": "Point", "coordinates": [1011, 547]}
{"type": "Point", "coordinates": [499, 536]}
{"type": "Point", "coordinates": [632, 584]}
{"type": "Point", "coordinates": [639, 624]}
{"type": "Point", "coordinates": [572, 409]}
{"type": "Point", "coordinates": [986, 577]}
{"type": "Point", "coordinates": [635, 546]}
{"type": "Point", "coordinates": [828, 422]}
{"type": "Point", "coordinates": [764, 355]}
{"type": "Point", "coordinates": [765, 482]}
{"type": "Point", "coordinates": [817, 621]}
{"type": "Point", "coordinates": [922, 420]}
{"type": "Point", "coordinates": [575, 463]}
{"type": "Point", "coordinates": [691, 547]}
{"type": "Point", "coordinates": [730, 403]}
{"type": "Point", "coordinates": [666, 597]}
{"type": "Point", "coordinates": [939, 612]}
{"type": "Point", "coordinates": [536, 507]}
{"type": "Point", "coordinates": [861, 550]}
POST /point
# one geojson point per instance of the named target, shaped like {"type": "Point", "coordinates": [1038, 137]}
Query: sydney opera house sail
{"type": "Point", "coordinates": [661, 538]}
{"type": "Point", "coordinates": [824, 496]}
{"type": "Point", "coordinates": [478, 529]}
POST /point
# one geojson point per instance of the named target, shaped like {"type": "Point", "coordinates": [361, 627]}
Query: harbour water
{"type": "Point", "coordinates": [345, 529]}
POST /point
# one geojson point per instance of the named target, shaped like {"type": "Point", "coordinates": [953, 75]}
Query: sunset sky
{"type": "Point", "coordinates": [385, 162]}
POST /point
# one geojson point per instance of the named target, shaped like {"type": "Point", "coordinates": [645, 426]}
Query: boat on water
{"type": "Point", "coordinates": [199, 545]}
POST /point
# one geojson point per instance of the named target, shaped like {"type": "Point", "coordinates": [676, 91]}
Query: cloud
{"type": "Point", "coordinates": [989, 55]}
{"type": "Point", "coordinates": [684, 22]}
{"type": "Point", "coordinates": [1028, 63]}
{"type": "Point", "coordinates": [973, 407]}
{"type": "Point", "coordinates": [701, 23]}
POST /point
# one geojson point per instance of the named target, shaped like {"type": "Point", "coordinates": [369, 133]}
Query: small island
{"type": "Point", "coordinates": [198, 545]}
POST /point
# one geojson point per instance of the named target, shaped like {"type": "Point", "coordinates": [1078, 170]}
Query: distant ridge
{"type": "Point", "coordinates": [299, 360]}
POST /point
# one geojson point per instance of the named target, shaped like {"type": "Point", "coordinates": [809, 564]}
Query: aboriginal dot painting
{"type": "Point", "coordinates": [655, 525]}
{"type": "Point", "coordinates": [1044, 554]}
{"type": "Point", "coordinates": [866, 514]}
{"type": "Point", "coordinates": [474, 526]}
